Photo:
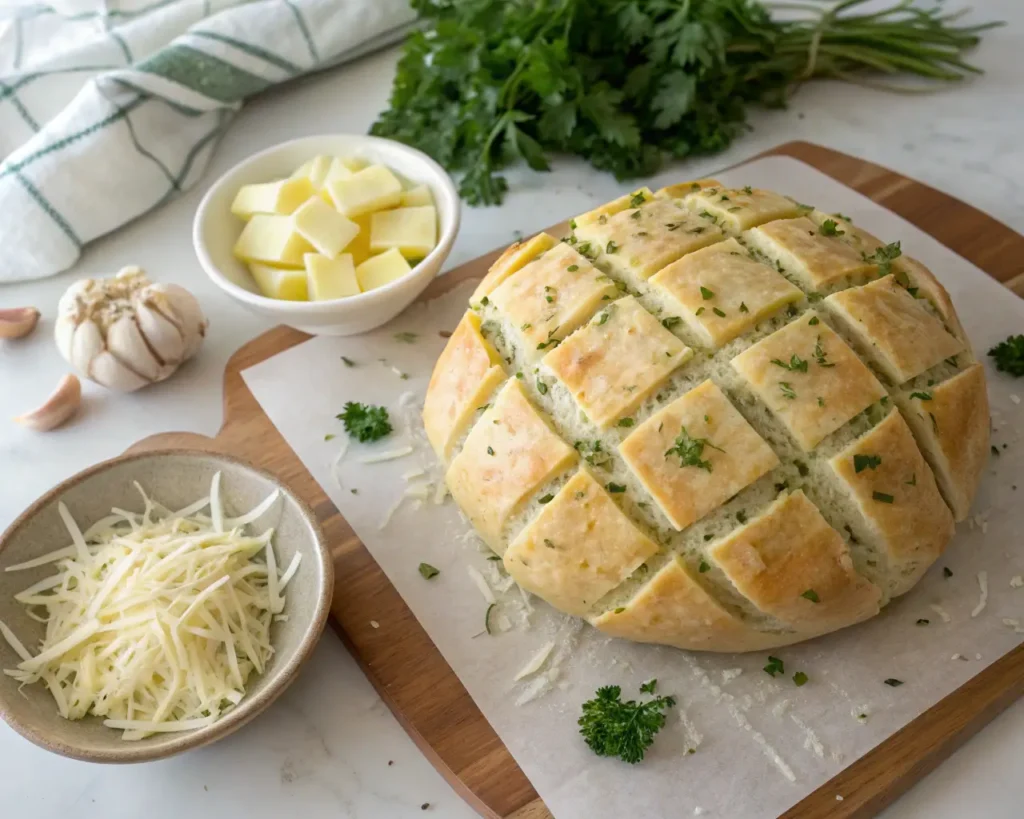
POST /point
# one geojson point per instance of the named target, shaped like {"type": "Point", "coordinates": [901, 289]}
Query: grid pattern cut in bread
{"type": "Point", "coordinates": [711, 418]}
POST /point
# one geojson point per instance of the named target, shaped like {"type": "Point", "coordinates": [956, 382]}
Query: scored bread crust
{"type": "Point", "coordinates": [647, 451]}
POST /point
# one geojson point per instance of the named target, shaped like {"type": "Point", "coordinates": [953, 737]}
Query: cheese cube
{"type": "Point", "coordinates": [330, 278]}
{"type": "Point", "coordinates": [359, 247]}
{"type": "Point", "coordinates": [281, 197]}
{"type": "Point", "coordinates": [272, 239]}
{"type": "Point", "coordinates": [379, 270]}
{"type": "Point", "coordinates": [370, 189]}
{"type": "Point", "coordinates": [412, 230]}
{"type": "Point", "coordinates": [315, 170]}
{"type": "Point", "coordinates": [277, 283]}
{"type": "Point", "coordinates": [323, 227]}
{"type": "Point", "coordinates": [414, 197]}
{"type": "Point", "coordinates": [338, 170]}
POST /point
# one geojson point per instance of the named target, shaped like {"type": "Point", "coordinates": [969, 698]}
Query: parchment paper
{"type": "Point", "coordinates": [761, 743]}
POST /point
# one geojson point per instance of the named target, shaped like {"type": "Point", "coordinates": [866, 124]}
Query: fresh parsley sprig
{"type": "Point", "coordinates": [612, 727]}
{"type": "Point", "coordinates": [1009, 355]}
{"type": "Point", "coordinates": [365, 422]}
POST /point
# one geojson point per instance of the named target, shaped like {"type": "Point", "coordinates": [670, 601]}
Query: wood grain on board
{"type": "Point", "coordinates": [425, 695]}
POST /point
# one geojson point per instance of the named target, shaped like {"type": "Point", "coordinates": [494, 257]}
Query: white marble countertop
{"type": "Point", "coordinates": [329, 745]}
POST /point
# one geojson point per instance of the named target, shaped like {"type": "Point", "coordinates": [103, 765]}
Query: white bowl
{"type": "Point", "coordinates": [216, 230]}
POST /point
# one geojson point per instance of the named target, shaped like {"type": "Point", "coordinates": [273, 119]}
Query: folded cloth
{"type": "Point", "coordinates": [108, 108]}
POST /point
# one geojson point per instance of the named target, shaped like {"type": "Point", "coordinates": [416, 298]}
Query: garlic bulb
{"type": "Point", "coordinates": [125, 332]}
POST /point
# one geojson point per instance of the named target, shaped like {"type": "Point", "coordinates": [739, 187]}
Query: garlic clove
{"type": "Point", "coordinates": [106, 369]}
{"type": "Point", "coordinates": [16, 322]}
{"type": "Point", "coordinates": [163, 335]}
{"type": "Point", "coordinates": [58, 408]}
{"type": "Point", "coordinates": [126, 343]}
{"type": "Point", "coordinates": [86, 343]}
{"type": "Point", "coordinates": [189, 314]}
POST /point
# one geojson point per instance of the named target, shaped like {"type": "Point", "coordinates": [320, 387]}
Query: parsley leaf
{"type": "Point", "coordinates": [612, 727]}
{"type": "Point", "coordinates": [365, 422]}
{"type": "Point", "coordinates": [862, 462]}
{"type": "Point", "coordinates": [428, 572]}
{"type": "Point", "coordinates": [829, 228]}
{"type": "Point", "coordinates": [690, 450]}
{"type": "Point", "coordinates": [1009, 355]}
{"type": "Point", "coordinates": [775, 666]}
{"type": "Point", "coordinates": [796, 364]}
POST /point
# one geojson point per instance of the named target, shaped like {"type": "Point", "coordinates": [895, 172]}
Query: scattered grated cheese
{"type": "Point", "coordinates": [390, 455]}
{"type": "Point", "coordinates": [1016, 582]}
{"type": "Point", "coordinates": [1015, 398]}
{"type": "Point", "coordinates": [440, 492]}
{"type": "Point", "coordinates": [1014, 624]}
{"type": "Point", "coordinates": [374, 624]}
{"type": "Point", "coordinates": [413, 474]}
{"type": "Point", "coordinates": [481, 583]}
{"type": "Point", "coordinates": [155, 622]}
{"type": "Point", "coordinates": [336, 463]}
{"type": "Point", "coordinates": [941, 612]}
{"type": "Point", "coordinates": [536, 662]}
{"type": "Point", "coordinates": [730, 674]}
{"type": "Point", "coordinates": [983, 599]}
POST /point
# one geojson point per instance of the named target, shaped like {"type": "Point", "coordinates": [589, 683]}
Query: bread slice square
{"type": "Point", "coordinates": [468, 371]}
{"type": "Point", "coordinates": [638, 242]}
{"type": "Point", "coordinates": [809, 378]}
{"type": "Point", "coordinates": [614, 361]}
{"type": "Point", "coordinates": [508, 455]}
{"type": "Point", "coordinates": [673, 609]}
{"type": "Point", "coordinates": [739, 209]}
{"type": "Point", "coordinates": [695, 454]}
{"type": "Point", "coordinates": [796, 568]}
{"type": "Point", "coordinates": [579, 548]}
{"type": "Point", "coordinates": [814, 259]}
{"type": "Point", "coordinates": [552, 296]}
{"type": "Point", "coordinates": [951, 424]}
{"type": "Point", "coordinates": [894, 489]}
{"type": "Point", "coordinates": [722, 291]}
{"type": "Point", "coordinates": [514, 258]}
{"type": "Point", "coordinates": [893, 328]}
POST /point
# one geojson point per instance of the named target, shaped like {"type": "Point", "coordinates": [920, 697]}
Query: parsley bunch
{"type": "Point", "coordinates": [612, 727]}
{"type": "Point", "coordinates": [1009, 355]}
{"type": "Point", "coordinates": [627, 83]}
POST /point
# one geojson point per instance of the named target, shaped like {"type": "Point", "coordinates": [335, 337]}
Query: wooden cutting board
{"type": "Point", "coordinates": [426, 696]}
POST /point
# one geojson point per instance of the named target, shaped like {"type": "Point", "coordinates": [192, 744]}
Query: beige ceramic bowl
{"type": "Point", "coordinates": [174, 478]}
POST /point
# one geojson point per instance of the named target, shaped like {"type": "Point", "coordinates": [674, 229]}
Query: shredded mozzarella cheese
{"type": "Point", "coordinates": [536, 662]}
{"type": "Point", "coordinates": [154, 622]}
{"type": "Point", "coordinates": [983, 598]}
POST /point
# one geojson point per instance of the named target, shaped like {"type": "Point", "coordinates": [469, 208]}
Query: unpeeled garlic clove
{"type": "Point", "coordinates": [16, 322]}
{"type": "Point", "coordinates": [58, 408]}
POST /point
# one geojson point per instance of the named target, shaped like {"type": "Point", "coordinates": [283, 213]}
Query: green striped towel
{"type": "Point", "coordinates": [109, 108]}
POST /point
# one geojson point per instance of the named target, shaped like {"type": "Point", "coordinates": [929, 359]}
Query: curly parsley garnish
{"type": "Point", "coordinates": [1009, 355]}
{"type": "Point", "coordinates": [830, 228]}
{"type": "Point", "coordinates": [612, 727]}
{"type": "Point", "coordinates": [365, 422]}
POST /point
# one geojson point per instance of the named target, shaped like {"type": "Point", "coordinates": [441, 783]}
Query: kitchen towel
{"type": "Point", "coordinates": [108, 108]}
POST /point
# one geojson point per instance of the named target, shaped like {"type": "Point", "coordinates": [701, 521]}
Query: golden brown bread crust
{"type": "Point", "coordinates": [759, 468]}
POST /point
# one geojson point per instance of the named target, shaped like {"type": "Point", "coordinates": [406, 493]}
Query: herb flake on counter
{"type": "Point", "coordinates": [428, 572]}
{"type": "Point", "coordinates": [649, 686]}
{"type": "Point", "coordinates": [923, 622]}
{"type": "Point", "coordinates": [487, 617]}
{"type": "Point", "coordinates": [348, 361]}
{"type": "Point", "coordinates": [330, 436]}
{"type": "Point", "coordinates": [893, 682]}
{"type": "Point", "coordinates": [775, 666]}
{"type": "Point", "coordinates": [1009, 355]}
{"type": "Point", "coordinates": [625, 730]}
{"type": "Point", "coordinates": [406, 337]}
{"type": "Point", "coordinates": [800, 679]}
{"type": "Point", "coordinates": [947, 572]}
{"type": "Point", "coordinates": [365, 422]}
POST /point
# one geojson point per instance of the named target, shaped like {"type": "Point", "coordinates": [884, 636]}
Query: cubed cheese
{"type": "Point", "coordinates": [272, 239]}
{"type": "Point", "coordinates": [315, 170]}
{"type": "Point", "coordinates": [359, 247]}
{"type": "Point", "coordinates": [413, 231]}
{"type": "Point", "coordinates": [280, 284]}
{"type": "Point", "coordinates": [330, 278]}
{"type": "Point", "coordinates": [414, 197]}
{"type": "Point", "coordinates": [338, 170]}
{"type": "Point", "coordinates": [379, 270]}
{"type": "Point", "coordinates": [370, 189]}
{"type": "Point", "coordinates": [323, 227]}
{"type": "Point", "coordinates": [281, 197]}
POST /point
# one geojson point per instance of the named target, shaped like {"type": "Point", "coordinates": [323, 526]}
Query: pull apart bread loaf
{"type": "Point", "coordinates": [712, 418]}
